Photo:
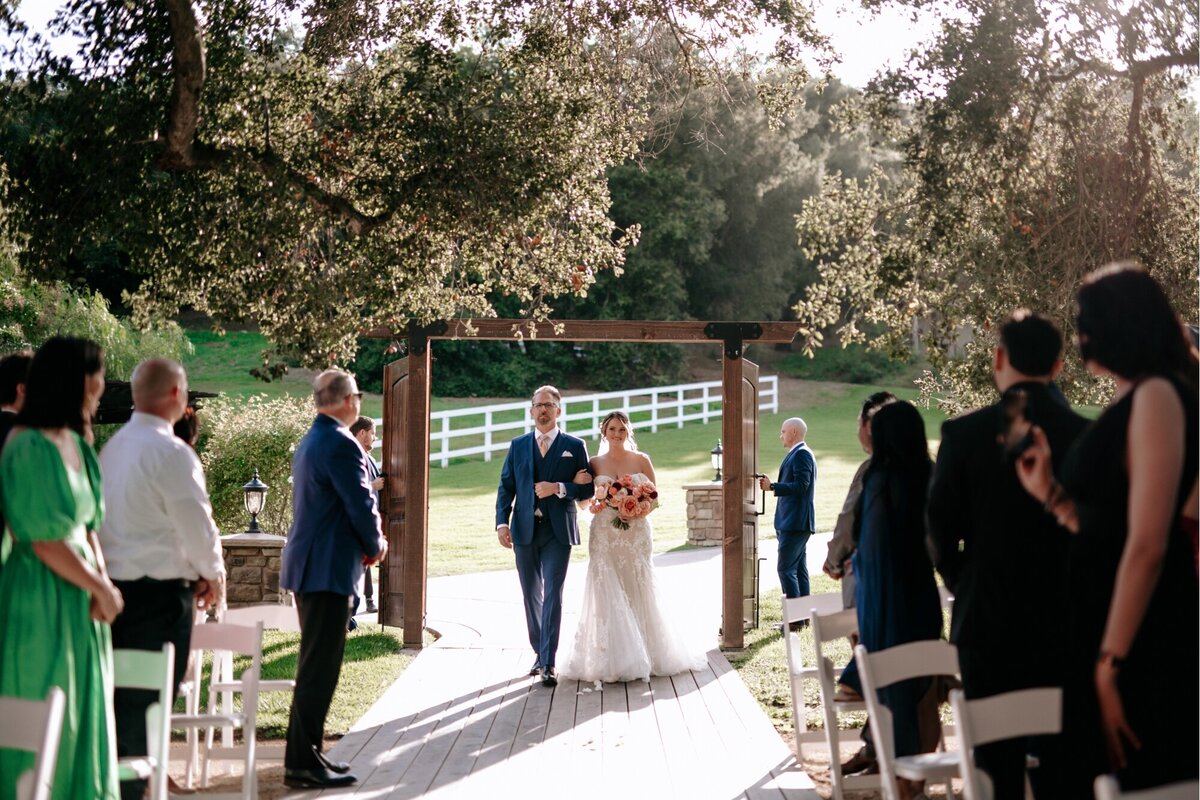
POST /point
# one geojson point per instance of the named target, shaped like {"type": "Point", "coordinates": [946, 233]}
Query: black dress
{"type": "Point", "coordinates": [1158, 681]}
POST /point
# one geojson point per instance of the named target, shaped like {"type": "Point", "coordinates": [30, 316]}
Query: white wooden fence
{"type": "Point", "coordinates": [489, 429]}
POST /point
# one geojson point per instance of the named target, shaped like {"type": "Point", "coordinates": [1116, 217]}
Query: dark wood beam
{"type": "Point", "coordinates": [575, 330]}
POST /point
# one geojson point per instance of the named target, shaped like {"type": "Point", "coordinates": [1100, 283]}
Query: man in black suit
{"type": "Point", "coordinates": [1000, 553]}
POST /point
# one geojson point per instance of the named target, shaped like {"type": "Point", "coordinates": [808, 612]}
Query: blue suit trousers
{"type": "Point", "coordinates": [542, 569]}
{"type": "Point", "coordinates": [793, 562]}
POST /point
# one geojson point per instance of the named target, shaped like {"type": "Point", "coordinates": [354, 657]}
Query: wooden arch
{"type": "Point", "coordinates": [402, 583]}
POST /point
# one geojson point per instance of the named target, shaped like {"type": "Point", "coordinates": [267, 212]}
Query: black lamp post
{"type": "Point", "coordinates": [256, 496]}
{"type": "Point", "coordinates": [717, 460]}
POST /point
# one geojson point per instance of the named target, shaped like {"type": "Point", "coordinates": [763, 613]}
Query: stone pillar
{"type": "Point", "coordinates": [252, 568]}
{"type": "Point", "coordinates": [705, 521]}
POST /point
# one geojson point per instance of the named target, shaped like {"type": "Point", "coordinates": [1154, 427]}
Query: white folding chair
{"type": "Point", "coordinates": [796, 609]}
{"type": "Point", "coordinates": [827, 628]}
{"type": "Point", "coordinates": [1107, 788]}
{"type": "Point", "coordinates": [34, 726]}
{"type": "Point", "coordinates": [273, 616]}
{"type": "Point", "coordinates": [154, 671]}
{"type": "Point", "coordinates": [242, 639]}
{"type": "Point", "coordinates": [921, 659]}
{"type": "Point", "coordinates": [1028, 712]}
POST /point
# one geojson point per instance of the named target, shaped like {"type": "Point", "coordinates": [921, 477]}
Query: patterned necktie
{"type": "Point", "coordinates": [543, 443]}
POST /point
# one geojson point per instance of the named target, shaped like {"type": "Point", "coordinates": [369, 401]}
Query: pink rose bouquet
{"type": "Point", "coordinates": [629, 499]}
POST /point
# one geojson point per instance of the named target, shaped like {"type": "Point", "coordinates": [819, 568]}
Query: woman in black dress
{"type": "Point", "coordinates": [1129, 490]}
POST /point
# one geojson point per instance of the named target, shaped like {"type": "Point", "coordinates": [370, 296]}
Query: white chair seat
{"type": "Point", "coordinates": [274, 685]}
{"type": "Point", "coordinates": [185, 721]}
{"type": "Point", "coordinates": [136, 768]}
{"type": "Point", "coordinates": [927, 766]}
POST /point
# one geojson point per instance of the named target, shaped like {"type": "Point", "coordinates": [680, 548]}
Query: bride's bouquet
{"type": "Point", "coordinates": [631, 500]}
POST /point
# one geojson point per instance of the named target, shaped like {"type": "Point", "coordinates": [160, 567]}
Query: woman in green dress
{"type": "Point", "coordinates": [56, 601]}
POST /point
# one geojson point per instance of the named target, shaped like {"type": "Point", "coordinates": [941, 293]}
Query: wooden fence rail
{"type": "Point", "coordinates": [489, 429]}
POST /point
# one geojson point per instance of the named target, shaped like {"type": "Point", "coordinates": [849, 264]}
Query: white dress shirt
{"type": "Point", "coordinates": [158, 521]}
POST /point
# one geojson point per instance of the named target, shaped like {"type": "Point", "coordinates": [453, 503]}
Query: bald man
{"type": "Point", "coordinates": [336, 532]}
{"type": "Point", "coordinates": [158, 538]}
{"type": "Point", "coordinates": [795, 517]}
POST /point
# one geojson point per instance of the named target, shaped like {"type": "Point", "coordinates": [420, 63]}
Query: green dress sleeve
{"type": "Point", "coordinates": [38, 503]}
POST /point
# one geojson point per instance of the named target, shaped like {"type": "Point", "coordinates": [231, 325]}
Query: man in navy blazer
{"type": "Point", "coordinates": [335, 532]}
{"type": "Point", "coordinates": [795, 517]}
{"type": "Point", "coordinates": [535, 517]}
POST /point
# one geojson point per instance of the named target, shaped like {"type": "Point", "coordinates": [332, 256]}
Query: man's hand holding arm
{"type": "Point", "coordinates": [946, 513]}
{"type": "Point", "coordinates": [797, 476]}
{"type": "Point", "coordinates": [188, 506]}
{"type": "Point", "coordinates": [348, 475]}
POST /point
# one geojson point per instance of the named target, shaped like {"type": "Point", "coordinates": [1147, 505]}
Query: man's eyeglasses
{"type": "Point", "coordinates": [359, 395]}
{"type": "Point", "coordinates": [540, 406]}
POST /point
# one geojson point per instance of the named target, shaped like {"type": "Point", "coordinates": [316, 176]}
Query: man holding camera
{"type": "Point", "coordinates": [1000, 553]}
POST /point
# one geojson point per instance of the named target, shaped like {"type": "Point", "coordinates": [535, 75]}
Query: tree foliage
{"type": "Point", "coordinates": [1040, 139]}
{"type": "Point", "coordinates": [400, 159]}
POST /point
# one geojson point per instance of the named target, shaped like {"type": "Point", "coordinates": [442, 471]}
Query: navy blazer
{"type": "Point", "coordinates": [794, 508]}
{"type": "Point", "coordinates": [335, 517]}
{"type": "Point", "coordinates": [515, 497]}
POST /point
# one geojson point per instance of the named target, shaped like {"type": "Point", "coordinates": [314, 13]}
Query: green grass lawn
{"type": "Point", "coordinates": [462, 497]}
{"type": "Point", "coordinates": [374, 659]}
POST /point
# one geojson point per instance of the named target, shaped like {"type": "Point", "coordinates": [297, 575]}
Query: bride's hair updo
{"type": "Point", "coordinates": [619, 416]}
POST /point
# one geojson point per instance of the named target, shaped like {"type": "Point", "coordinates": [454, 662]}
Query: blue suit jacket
{"type": "Point", "coordinates": [515, 496]}
{"type": "Point", "coordinates": [335, 517]}
{"type": "Point", "coordinates": [794, 509]}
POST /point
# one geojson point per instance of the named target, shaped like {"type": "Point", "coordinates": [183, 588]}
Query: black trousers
{"type": "Point", "coordinates": [156, 612]}
{"type": "Point", "coordinates": [986, 672]}
{"type": "Point", "coordinates": [323, 618]}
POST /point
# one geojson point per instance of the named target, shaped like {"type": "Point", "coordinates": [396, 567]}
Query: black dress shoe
{"type": "Point", "coordinates": [319, 778]}
{"type": "Point", "coordinates": [536, 669]}
{"type": "Point", "coordinates": [549, 676]}
{"type": "Point", "coordinates": [862, 760]}
{"type": "Point", "coordinates": [340, 767]}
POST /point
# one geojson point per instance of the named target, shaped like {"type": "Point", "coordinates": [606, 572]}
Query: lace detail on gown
{"type": "Point", "coordinates": [624, 633]}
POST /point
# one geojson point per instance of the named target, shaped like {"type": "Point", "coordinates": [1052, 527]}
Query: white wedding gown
{"type": "Point", "coordinates": [624, 633]}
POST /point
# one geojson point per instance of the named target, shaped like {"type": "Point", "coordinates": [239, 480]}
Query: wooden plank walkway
{"type": "Point", "coordinates": [465, 720]}
{"type": "Point", "coordinates": [468, 722]}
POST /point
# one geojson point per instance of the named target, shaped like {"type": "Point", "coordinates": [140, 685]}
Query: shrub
{"type": "Point", "coordinates": [31, 312]}
{"type": "Point", "coordinates": [852, 364]}
{"type": "Point", "coordinates": [239, 435]}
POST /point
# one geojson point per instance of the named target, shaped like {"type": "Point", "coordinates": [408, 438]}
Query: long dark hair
{"type": "Point", "coordinates": [1127, 325]}
{"type": "Point", "coordinates": [900, 456]}
{"type": "Point", "coordinates": [54, 387]}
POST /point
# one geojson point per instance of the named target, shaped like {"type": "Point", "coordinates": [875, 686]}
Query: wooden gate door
{"type": "Point", "coordinates": [393, 496]}
{"type": "Point", "coordinates": [750, 494]}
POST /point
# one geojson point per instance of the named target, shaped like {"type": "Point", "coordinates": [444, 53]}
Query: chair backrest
{"type": "Point", "coordinates": [918, 659]}
{"type": "Point", "coordinates": [796, 609]}
{"type": "Point", "coordinates": [245, 639]}
{"type": "Point", "coordinates": [1028, 712]}
{"type": "Point", "coordinates": [141, 669]}
{"type": "Point", "coordinates": [1107, 788]}
{"type": "Point", "coordinates": [34, 726]}
{"type": "Point", "coordinates": [273, 616]}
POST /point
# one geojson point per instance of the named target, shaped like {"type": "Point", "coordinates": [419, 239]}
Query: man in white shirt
{"type": "Point", "coordinates": [159, 540]}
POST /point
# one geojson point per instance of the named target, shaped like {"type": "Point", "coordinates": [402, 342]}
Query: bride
{"type": "Point", "coordinates": [623, 633]}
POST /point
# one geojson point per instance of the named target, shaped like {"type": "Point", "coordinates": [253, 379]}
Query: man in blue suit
{"type": "Point", "coordinates": [795, 517]}
{"type": "Point", "coordinates": [535, 517]}
{"type": "Point", "coordinates": [335, 532]}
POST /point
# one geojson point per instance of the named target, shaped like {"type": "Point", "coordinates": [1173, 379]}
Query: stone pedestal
{"type": "Point", "coordinates": [252, 568]}
{"type": "Point", "coordinates": [705, 523]}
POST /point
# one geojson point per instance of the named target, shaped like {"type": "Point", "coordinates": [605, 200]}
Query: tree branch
{"type": "Point", "coordinates": [187, 45]}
